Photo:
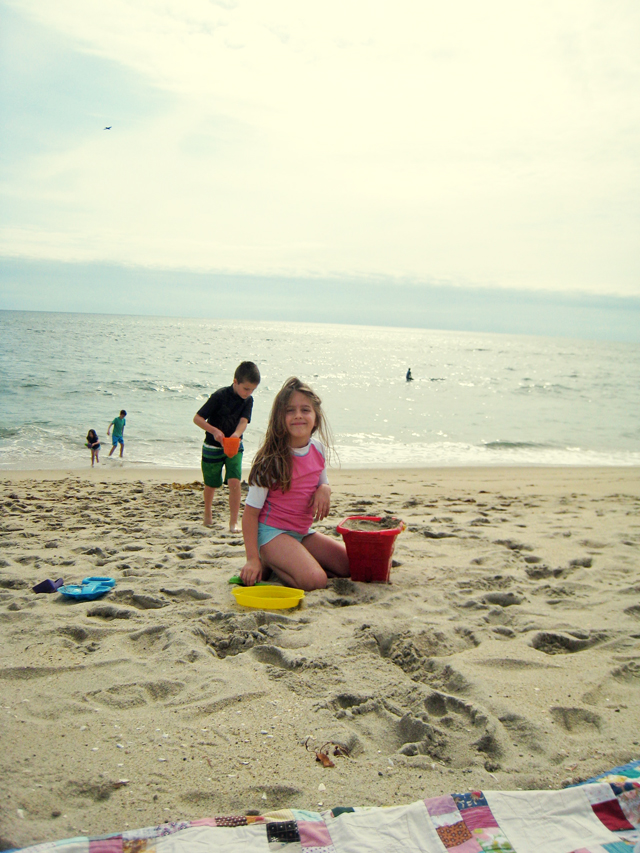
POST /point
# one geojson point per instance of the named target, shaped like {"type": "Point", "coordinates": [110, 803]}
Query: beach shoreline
{"type": "Point", "coordinates": [125, 472]}
{"type": "Point", "coordinates": [502, 656]}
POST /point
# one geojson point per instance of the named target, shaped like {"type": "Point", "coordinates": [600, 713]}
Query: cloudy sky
{"type": "Point", "coordinates": [451, 158]}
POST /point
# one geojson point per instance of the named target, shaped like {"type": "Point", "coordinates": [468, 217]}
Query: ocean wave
{"type": "Point", "coordinates": [9, 432]}
{"type": "Point", "coordinates": [451, 454]}
{"type": "Point", "coordinates": [516, 445]}
{"type": "Point", "coordinates": [124, 386]}
{"type": "Point", "coordinates": [546, 388]}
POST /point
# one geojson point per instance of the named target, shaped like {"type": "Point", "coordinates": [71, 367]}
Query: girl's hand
{"type": "Point", "coordinates": [321, 503]}
{"type": "Point", "coordinates": [251, 572]}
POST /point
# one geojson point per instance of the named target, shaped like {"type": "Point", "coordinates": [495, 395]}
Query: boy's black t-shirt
{"type": "Point", "coordinates": [223, 410]}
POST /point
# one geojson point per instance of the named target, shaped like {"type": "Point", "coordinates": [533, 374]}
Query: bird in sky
{"type": "Point", "coordinates": [109, 128]}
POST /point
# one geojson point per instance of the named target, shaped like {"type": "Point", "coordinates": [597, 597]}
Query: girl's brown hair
{"type": "Point", "coordinates": [272, 463]}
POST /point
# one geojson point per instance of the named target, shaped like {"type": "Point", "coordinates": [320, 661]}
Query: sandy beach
{"type": "Point", "coordinates": [504, 654]}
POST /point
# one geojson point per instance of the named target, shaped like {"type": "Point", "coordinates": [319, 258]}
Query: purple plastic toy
{"type": "Point", "coordinates": [48, 585]}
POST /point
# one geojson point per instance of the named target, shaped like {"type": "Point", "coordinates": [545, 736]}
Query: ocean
{"type": "Point", "coordinates": [476, 399]}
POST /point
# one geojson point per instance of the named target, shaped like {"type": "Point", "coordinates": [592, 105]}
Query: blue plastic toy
{"type": "Point", "coordinates": [90, 588]}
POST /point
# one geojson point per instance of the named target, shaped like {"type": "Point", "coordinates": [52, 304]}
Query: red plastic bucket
{"type": "Point", "coordinates": [369, 551]}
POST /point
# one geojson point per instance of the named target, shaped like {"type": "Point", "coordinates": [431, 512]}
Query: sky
{"type": "Point", "coordinates": [450, 165]}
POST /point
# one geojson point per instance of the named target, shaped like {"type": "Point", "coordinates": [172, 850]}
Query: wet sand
{"type": "Point", "coordinates": [504, 654]}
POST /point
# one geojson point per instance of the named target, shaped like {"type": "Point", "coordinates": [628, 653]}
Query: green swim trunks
{"type": "Point", "coordinates": [214, 460]}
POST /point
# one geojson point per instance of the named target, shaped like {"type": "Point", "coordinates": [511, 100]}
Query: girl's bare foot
{"type": "Point", "coordinates": [234, 528]}
{"type": "Point", "coordinates": [208, 522]}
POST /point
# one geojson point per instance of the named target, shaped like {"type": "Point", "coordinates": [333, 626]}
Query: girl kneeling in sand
{"type": "Point", "coordinates": [288, 490]}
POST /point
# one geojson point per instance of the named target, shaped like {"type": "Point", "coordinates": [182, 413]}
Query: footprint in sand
{"type": "Point", "coordinates": [342, 592]}
{"type": "Point", "coordinates": [581, 562]}
{"type": "Point", "coordinates": [561, 644]}
{"type": "Point", "coordinates": [375, 725]}
{"type": "Point", "coordinates": [230, 634]}
{"type": "Point", "coordinates": [414, 652]}
{"type": "Point", "coordinates": [275, 656]}
{"type": "Point", "coordinates": [574, 720]}
{"type": "Point", "coordinates": [109, 611]}
{"type": "Point", "coordinates": [503, 599]}
{"type": "Point", "coordinates": [523, 733]}
{"type": "Point", "coordinates": [540, 572]}
{"type": "Point", "coordinates": [186, 594]}
{"type": "Point", "coordinates": [513, 545]}
{"type": "Point", "coordinates": [140, 600]}
{"type": "Point", "coordinates": [628, 673]}
{"type": "Point", "coordinates": [149, 639]}
{"type": "Point", "coordinates": [440, 727]}
{"type": "Point", "coordinates": [132, 695]}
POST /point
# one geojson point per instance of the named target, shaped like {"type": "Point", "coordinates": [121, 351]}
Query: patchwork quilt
{"type": "Point", "coordinates": [601, 815]}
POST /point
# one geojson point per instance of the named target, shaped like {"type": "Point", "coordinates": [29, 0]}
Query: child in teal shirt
{"type": "Point", "coordinates": [117, 438]}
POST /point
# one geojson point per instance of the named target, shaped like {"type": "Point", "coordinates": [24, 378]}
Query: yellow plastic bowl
{"type": "Point", "coordinates": [268, 597]}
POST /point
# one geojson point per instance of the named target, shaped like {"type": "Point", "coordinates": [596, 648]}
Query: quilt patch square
{"type": "Point", "coordinates": [231, 820]}
{"type": "Point", "coordinates": [470, 846]}
{"type": "Point", "coordinates": [627, 786]}
{"type": "Point", "coordinates": [493, 840]}
{"type": "Point", "coordinates": [599, 792]}
{"type": "Point", "coordinates": [283, 831]}
{"type": "Point", "coordinates": [448, 819]}
{"type": "Point", "coordinates": [110, 845]}
{"type": "Point", "coordinates": [141, 845]}
{"type": "Point", "coordinates": [469, 801]}
{"type": "Point", "coordinates": [314, 834]}
{"type": "Point", "coordinates": [479, 817]}
{"type": "Point", "coordinates": [440, 805]}
{"type": "Point", "coordinates": [611, 815]}
{"type": "Point", "coordinates": [616, 847]}
{"type": "Point", "coordinates": [454, 834]}
{"type": "Point", "coordinates": [630, 805]}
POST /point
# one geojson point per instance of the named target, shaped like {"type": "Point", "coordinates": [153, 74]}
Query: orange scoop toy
{"type": "Point", "coordinates": [230, 446]}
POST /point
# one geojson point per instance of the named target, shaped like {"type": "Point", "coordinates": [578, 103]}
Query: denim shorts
{"type": "Point", "coordinates": [266, 533]}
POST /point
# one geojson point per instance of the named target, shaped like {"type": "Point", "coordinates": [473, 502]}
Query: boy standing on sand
{"type": "Point", "coordinates": [226, 414]}
{"type": "Point", "coordinates": [117, 438]}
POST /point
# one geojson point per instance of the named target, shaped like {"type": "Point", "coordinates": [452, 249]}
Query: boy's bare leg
{"type": "Point", "coordinates": [113, 447]}
{"type": "Point", "coordinates": [234, 505]}
{"type": "Point", "coordinates": [121, 450]}
{"type": "Point", "coordinates": [209, 492]}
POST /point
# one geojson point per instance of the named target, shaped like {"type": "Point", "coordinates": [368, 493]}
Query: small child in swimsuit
{"type": "Point", "coordinates": [93, 443]}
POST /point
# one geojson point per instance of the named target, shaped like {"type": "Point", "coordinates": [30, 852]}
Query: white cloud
{"type": "Point", "coordinates": [489, 143]}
